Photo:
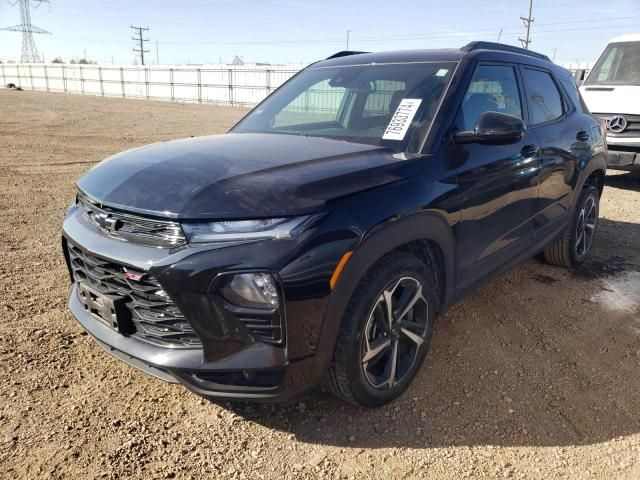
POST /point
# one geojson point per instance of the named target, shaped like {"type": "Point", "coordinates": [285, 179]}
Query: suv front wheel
{"type": "Point", "coordinates": [385, 332]}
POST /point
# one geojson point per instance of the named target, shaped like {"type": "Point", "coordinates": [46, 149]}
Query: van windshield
{"type": "Point", "coordinates": [390, 105]}
{"type": "Point", "coordinates": [619, 64]}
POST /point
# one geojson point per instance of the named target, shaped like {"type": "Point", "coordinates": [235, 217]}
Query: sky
{"type": "Point", "coordinates": [302, 31]}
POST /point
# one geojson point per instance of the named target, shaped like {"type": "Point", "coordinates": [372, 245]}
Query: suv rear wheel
{"type": "Point", "coordinates": [574, 246]}
{"type": "Point", "coordinates": [385, 332]}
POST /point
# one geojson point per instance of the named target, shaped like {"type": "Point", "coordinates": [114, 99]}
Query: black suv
{"type": "Point", "coordinates": [319, 239]}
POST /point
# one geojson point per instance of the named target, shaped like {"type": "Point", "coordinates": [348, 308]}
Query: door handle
{"type": "Point", "coordinates": [582, 136]}
{"type": "Point", "coordinates": [529, 151]}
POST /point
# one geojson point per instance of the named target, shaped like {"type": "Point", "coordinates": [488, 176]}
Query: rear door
{"type": "Point", "coordinates": [563, 139]}
{"type": "Point", "coordinates": [497, 183]}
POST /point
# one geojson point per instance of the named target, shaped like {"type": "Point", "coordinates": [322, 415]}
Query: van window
{"type": "Point", "coordinates": [618, 64]}
{"type": "Point", "coordinates": [493, 88]}
{"type": "Point", "coordinates": [543, 97]}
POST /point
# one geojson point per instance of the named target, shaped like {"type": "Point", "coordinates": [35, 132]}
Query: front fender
{"type": "Point", "coordinates": [428, 225]}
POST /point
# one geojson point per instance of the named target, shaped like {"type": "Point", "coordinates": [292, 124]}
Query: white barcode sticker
{"type": "Point", "coordinates": [401, 120]}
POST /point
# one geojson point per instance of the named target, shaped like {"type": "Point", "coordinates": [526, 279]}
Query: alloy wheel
{"type": "Point", "coordinates": [585, 227]}
{"type": "Point", "coordinates": [394, 333]}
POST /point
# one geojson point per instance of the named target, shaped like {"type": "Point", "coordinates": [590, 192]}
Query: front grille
{"type": "Point", "coordinates": [633, 124]}
{"type": "Point", "coordinates": [154, 316]}
{"type": "Point", "coordinates": [131, 228]}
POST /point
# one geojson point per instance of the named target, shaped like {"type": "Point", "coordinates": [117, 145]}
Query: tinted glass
{"type": "Point", "coordinates": [355, 103]}
{"type": "Point", "coordinates": [543, 97]}
{"type": "Point", "coordinates": [618, 64]}
{"type": "Point", "coordinates": [493, 88]}
{"type": "Point", "coordinates": [572, 91]}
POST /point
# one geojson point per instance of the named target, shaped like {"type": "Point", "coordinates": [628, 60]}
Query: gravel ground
{"type": "Point", "coordinates": [533, 376]}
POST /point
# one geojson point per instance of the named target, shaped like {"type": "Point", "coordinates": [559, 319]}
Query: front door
{"type": "Point", "coordinates": [497, 183]}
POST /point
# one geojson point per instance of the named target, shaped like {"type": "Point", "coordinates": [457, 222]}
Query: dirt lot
{"type": "Point", "coordinates": [534, 376]}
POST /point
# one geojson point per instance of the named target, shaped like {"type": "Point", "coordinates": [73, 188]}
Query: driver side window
{"type": "Point", "coordinates": [493, 88]}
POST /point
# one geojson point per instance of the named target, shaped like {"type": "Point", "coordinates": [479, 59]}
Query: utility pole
{"type": "Point", "coordinates": [348, 32]}
{"type": "Point", "coordinates": [499, 35]}
{"type": "Point", "coordinates": [29, 50]}
{"type": "Point", "coordinates": [528, 20]}
{"type": "Point", "coordinates": [138, 38]}
{"type": "Point", "coordinates": [554, 55]}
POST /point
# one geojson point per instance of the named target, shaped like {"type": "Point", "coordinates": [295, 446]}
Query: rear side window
{"type": "Point", "coordinates": [543, 97]}
{"type": "Point", "coordinates": [572, 91]}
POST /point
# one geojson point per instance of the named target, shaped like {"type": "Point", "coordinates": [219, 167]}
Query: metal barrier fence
{"type": "Point", "coordinates": [218, 84]}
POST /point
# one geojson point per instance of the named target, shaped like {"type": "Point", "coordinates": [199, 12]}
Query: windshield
{"type": "Point", "coordinates": [390, 105]}
{"type": "Point", "coordinates": [619, 64]}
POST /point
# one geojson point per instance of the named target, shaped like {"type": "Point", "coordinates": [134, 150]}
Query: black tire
{"type": "Point", "coordinates": [568, 252]}
{"type": "Point", "coordinates": [350, 378]}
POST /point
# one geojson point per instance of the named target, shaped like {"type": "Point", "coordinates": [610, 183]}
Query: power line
{"type": "Point", "coordinates": [29, 50]}
{"type": "Point", "coordinates": [140, 41]}
{"type": "Point", "coordinates": [528, 20]}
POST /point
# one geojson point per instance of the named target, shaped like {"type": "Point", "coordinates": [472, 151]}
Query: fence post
{"type": "Point", "coordinates": [4, 78]}
{"type": "Point", "coordinates": [146, 82]}
{"type": "Point", "coordinates": [122, 81]}
{"type": "Point", "coordinates": [100, 79]}
{"type": "Point", "coordinates": [64, 80]}
{"type": "Point", "coordinates": [46, 77]}
{"type": "Point", "coordinates": [268, 82]}
{"type": "Point", "coordinates": [81, 80]}
{"type": "Point", "coordinates": [30, 76]}
{"type": "Point", "coordinates": [18, 74]}
{"type": "Point", "coordinates": [199, 86]}
{"type": "Point", "coordinates": [231, 86]}
{"type": "Point", "coordinates": [173, 98]}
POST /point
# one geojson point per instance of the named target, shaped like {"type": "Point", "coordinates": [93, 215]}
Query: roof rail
{"type": "Point", "coordinates": [501, 46]}
{"type": "Point", "coordinates": [344, 53]}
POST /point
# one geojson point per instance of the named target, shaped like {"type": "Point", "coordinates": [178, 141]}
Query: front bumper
{"type": "Point", "coordinates": [623, 154]}
{"type": "Point", "coordinates": [230, 363]}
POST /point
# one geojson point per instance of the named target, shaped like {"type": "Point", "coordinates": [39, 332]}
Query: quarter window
{"type": "Point", "coordinates": [493, 88]}
{"type": "Point", "coordinates": [543, 97]}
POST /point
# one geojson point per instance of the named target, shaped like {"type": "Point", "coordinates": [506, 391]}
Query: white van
{"type": "Point", "coordinates": [612, 92]}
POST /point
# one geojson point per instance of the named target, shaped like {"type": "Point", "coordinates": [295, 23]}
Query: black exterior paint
{"type": "Point", "coordinates": [486, 207]}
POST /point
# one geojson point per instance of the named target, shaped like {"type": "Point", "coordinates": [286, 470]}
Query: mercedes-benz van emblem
{"type": "Point", "coordinates": [617, 124]}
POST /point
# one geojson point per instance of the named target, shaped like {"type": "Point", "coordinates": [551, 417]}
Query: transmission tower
{"type": "Point", "coordinates": [139, 42]}
{"type": "Point", "coordinates": [29, 50]}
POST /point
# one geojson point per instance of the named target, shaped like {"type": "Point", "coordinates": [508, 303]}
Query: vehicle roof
{"type": "Point", "coordinates": [629, 37]}
{"type": "Point", "coordinates": [482, 51]}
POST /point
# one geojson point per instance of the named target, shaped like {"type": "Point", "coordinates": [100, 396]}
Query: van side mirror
{"type": "Point", "coordinates": [493, 128]}
{"type": "Point", "coordinates": [580, 75]}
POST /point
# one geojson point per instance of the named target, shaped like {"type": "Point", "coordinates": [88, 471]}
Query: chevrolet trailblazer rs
{"type": "Point", "coordinates": [319, 239]}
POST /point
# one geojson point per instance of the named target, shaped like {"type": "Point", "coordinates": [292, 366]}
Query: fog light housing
{"type": "Point", "coordinates": [251, 290]}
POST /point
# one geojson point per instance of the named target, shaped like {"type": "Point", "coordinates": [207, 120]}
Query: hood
{"type": "Point", "coordinates": [241, 175]}
{"type": "Point", "coordinates": [621, 99]}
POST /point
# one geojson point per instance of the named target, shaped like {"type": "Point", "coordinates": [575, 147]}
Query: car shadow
{"type": "Point", "coordinates": [625, 181]}
{"type": "Point", "coordinates": [529, 359]}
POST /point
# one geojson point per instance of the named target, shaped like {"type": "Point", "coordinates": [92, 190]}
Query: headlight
{"type": "Point", "coordinates": [233, 230]}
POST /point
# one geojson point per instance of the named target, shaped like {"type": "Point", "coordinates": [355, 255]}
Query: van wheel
{"type": "Point", "coordinates": [385, 332]}
{"type": "Point", "coordinates": [574, 246]}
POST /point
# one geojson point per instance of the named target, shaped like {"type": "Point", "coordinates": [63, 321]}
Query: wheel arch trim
{"type": "Point", "coordinates": [376, 243]}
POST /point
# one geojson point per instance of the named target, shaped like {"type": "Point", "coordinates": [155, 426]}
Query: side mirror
{"type": "Point", "coordinates": [580, 75]}
{"type": "Point", "coordinates": [493, 128]}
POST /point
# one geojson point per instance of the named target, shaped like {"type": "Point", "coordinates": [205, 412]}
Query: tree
{"type": "Point", "coordinates": [57, 60]}
{"type": "Point", "coordinates": [237, 60]}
